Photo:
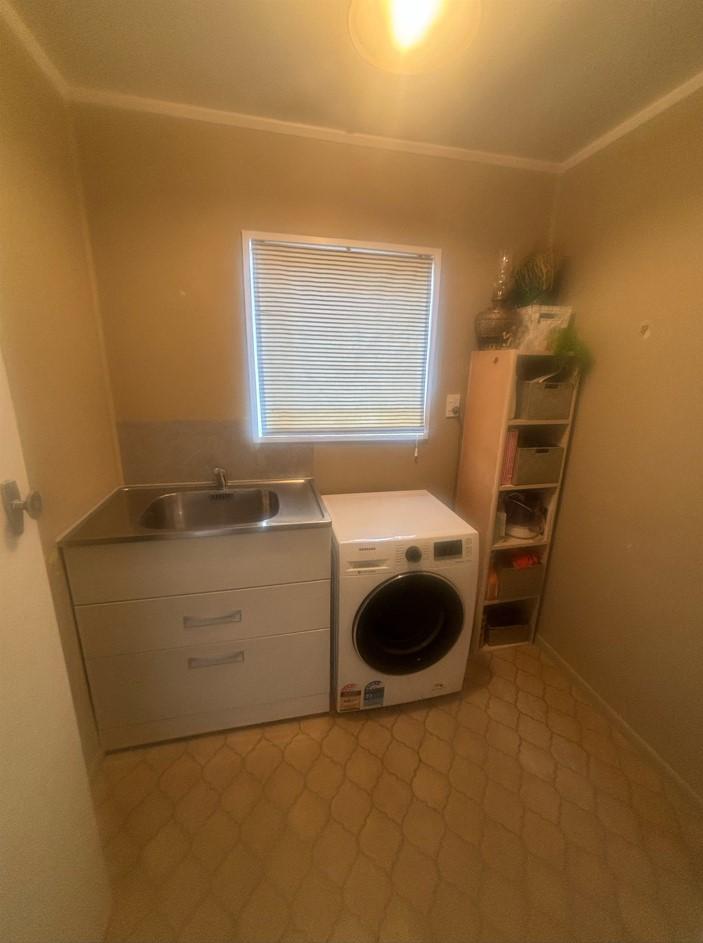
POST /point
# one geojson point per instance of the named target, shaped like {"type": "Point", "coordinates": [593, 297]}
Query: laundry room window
{"type": "Point", "coordinates": [339, 336]}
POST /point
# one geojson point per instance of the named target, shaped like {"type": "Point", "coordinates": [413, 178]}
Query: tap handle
{"type": "Point", "coordinates": [220, 475]}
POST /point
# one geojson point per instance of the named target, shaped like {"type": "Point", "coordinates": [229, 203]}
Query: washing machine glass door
{"type": "Point", "coordinates": [408, 623]}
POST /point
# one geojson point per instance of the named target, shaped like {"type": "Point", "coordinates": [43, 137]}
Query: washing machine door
{"type": "Point", "coordinates": [408, 623]}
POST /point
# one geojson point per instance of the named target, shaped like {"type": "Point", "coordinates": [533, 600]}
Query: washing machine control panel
{"type": "Point", "coordinates": [441, 550]}
{"type": "Point", "coordinates": [426, 553]}
{"type": "Point", "coordinates": [366, 558]}
{"type": "Point", "coordinates": [449, 549]}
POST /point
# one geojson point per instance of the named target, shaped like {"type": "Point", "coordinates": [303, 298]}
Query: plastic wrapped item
{"type": "Point", "coordinates": [537, 324]}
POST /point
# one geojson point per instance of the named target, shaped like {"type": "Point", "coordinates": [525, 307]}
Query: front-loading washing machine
{"type": "Point", "coordinates": [404, 584]}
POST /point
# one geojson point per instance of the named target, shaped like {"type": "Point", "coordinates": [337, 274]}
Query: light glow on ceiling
{"type": "Point", "coordinates": [411, 37]}
{"type": "Point", "coordinates": [411, 20]}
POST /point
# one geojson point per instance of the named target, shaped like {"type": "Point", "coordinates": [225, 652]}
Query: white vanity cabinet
{"type": "Point", "coordinates": [186, 636]}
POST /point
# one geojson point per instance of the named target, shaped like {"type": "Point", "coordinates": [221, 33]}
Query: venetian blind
{"type": "Point", "coordinates": [340, 339]}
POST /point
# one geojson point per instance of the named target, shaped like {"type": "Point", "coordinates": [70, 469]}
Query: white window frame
{"type": "Point", "coordinates": [252, 353]}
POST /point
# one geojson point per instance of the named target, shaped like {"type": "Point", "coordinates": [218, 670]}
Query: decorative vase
{"type": "Point", "coordinates": [497, 325]}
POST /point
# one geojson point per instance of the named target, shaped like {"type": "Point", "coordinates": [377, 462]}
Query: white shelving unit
{"type": "Point", "coordinates": [489, 414]}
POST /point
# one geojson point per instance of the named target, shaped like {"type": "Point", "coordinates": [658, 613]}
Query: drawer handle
{"type": "Point", "coordinates": [196, 622]}
{"type": "Point", "coordinates": [216, 660]}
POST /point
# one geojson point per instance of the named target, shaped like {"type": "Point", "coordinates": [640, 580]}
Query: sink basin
{"type": "Point", "coordinates": [186, 510]}
{"type": "Point", "coordinates": [209, 510]}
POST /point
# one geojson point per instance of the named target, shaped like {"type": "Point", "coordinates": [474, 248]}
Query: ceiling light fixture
{"type": "Point", "coordinates": [413, 36]}
{"type": "Point", "coordinates": [411, 20]}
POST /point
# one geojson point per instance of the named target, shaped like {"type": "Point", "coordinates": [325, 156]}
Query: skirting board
{"type": "Point", "coordinates": [621, 723]}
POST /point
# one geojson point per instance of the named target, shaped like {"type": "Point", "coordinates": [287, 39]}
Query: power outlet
{"type": "Point", "coordinates": [453, 405]}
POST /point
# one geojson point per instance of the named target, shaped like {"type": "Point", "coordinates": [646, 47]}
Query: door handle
{"type": "Point", "coordinates": [199, 622]}
{"type": "Point", "coordinates": [15, 506]}
{"type": "Point", "coordinates": [216, 660]}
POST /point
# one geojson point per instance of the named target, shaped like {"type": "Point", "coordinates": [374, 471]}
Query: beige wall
{"type": "Point", "coordinates": [624, 600]}
{"type": "Point", "coordinates": [48, 324]}
{"type": "Point", "coordinates": [168, 199]}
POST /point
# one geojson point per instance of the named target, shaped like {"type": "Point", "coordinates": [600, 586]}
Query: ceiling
{"type": "Point", "coordinates": [542, 79]}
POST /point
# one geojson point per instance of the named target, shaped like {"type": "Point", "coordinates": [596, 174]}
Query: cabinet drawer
{"type": "Point", "coordinates": [177, 621]}
{"type": "Point", "coordinates": [148, 686]}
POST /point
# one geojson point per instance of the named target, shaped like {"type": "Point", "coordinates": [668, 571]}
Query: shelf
{"type": "Point", "coordinates": [538, 422]}
{"type": "Point", "coordinates": [529, 353]}
{"type": "Point", "coordinates": [550, 484]}
{"type": "Point", "coordinates": [506, 644]}
{"type": "Point", "coordinates": [500, 602]}
{"type": "Point", "coordinates": [491, 416]}
{"type": "Point", "coordinates": [511, 543]}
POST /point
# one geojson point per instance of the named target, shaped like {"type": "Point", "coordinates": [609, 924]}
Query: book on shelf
{"type": "Point", "coordinates": [506, 476]}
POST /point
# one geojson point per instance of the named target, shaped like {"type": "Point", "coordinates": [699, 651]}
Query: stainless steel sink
{"type": "Point", "coordinates": [197, 511]}
{"type": "Point", "coordinates": [185, 510]}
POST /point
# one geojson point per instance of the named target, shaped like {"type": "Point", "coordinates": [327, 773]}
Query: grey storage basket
{"type": "Point", "coordinates": [538, 465]}
{"type": "Point", "coordinates": [544, 399]}
{"type": "Point", "coordinates": [515, 583]}
{"type": "Point", "coordinates": [507, 634]}
{"type": "Point", "coordinates": [506, 624]}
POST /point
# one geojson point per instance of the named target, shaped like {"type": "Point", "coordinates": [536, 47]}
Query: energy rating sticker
{"type": "Point", "coordinates": [350, 697]}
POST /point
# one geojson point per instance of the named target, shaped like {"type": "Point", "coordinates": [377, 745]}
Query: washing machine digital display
{"type": "Point", "coordinates": [444, 549]}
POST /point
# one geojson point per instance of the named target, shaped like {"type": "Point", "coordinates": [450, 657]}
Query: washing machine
{"type": "Point", "coordinates": [404, 585]}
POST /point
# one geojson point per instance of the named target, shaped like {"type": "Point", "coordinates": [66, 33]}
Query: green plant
{"type": "Point", "coordinates": [535, 279]}
{"type": "Point", "coordinates": [571, 352]}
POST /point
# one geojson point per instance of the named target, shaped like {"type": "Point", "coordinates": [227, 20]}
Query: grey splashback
{"type": "Point", "coordinates": [187, 450]}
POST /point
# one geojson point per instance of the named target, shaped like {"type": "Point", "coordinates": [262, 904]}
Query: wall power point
{"type": "Point", "coordinates": [453, 405]}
